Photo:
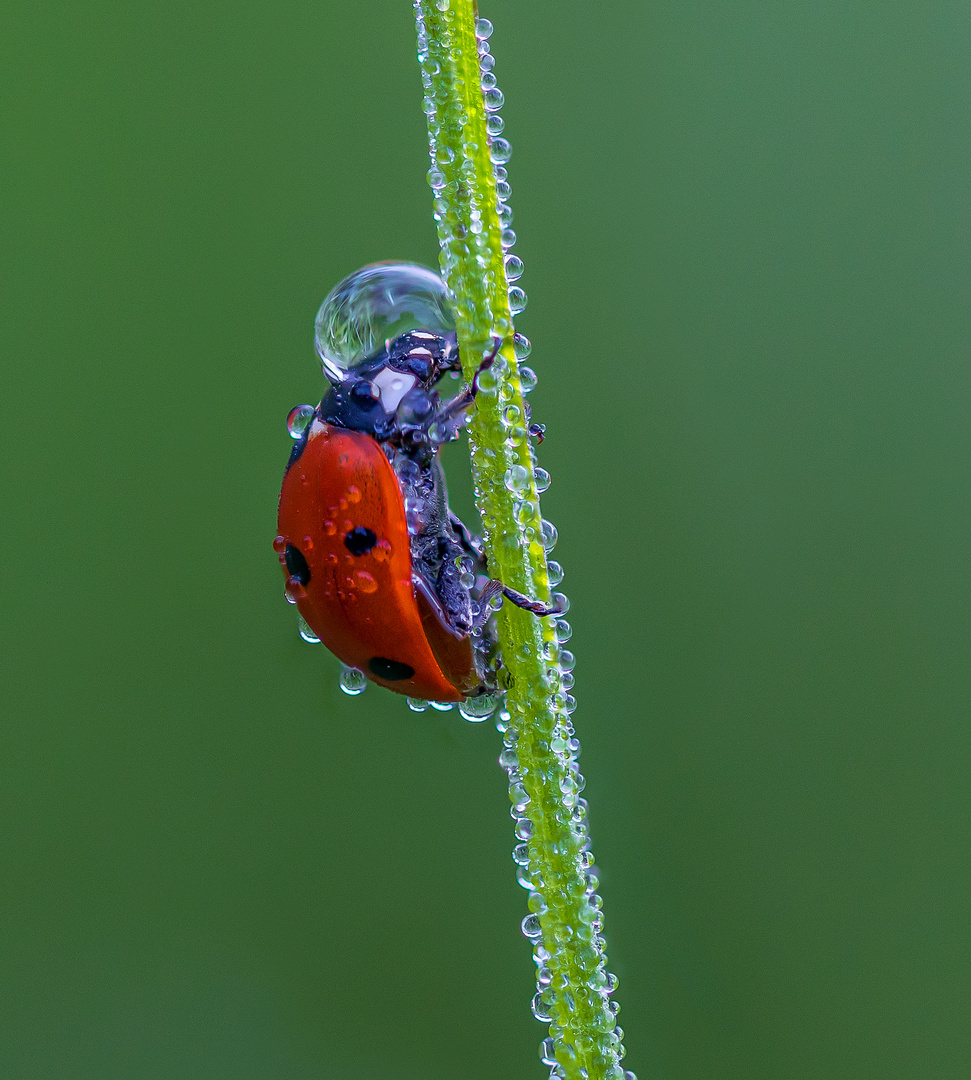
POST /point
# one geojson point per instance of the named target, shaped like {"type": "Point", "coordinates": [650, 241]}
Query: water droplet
{"type": "Point", "coordinates": [442, 5]}
{"type": "Point", "coordinates": [365, 581]}
{"type": "Point", "coordinates": [531, 927]}
{"type": "Point", "coordinates": [303, 627]}
{"type": "Point", "coordinates": [554, 569]}
{"type": "Point", "coordinates": [546, 1052]}
{"type": "Point", "coordinates": [517, 300]}
{"type": "Point", "coordinates": [548, 535]}
{"type": "Point", "coordinates": [563, 630]}
{"type": "Point", "coordinates": [477, 709]}
{"type": "Point", "coordinates": [562, 602]}
{"type": "Point", "coordinates": [417, 704]}
{"type": "Point", "coordinates": [509, 760]}
{"type": "Point", "coordinates": [516, 478]}
{"type": "Point", "coordinates": [294, 590]}
{"type": "Point", "coordinates": [488, 80]}
{"type": "Point", "coordinates": [486, 61]}
{"type": "Point", "coordinates": [508, 239]}
{"type": "Point", "coordinates": [279, 544]}
{"type": "Point", "coordinates": [524, 828]}
{"type": "Point", "coordinates": [540, 1006]}
{"type": "Point", "coordinates": [297, 420]}
{"type": "Point", "coordinates": [352, 681]}
{"type": "Point", "coordinates": [500, 151]}
{"type": "Point", "coordinates": [494, 125]}
{"type": "Point", "coordinates": [528, 379]}
{"type": "Point", "coordinates": [542, 479]}
{"type": "Point", "coordinates": [483, 29]}
{"type": "Point", "coordinates": [522, 345]}
{"type": "Point", "coordinates": [374, 305]}
{"type": "Point", "coordinates": [493, 100]}
{"type": "Point", "coordinates": [442, 706]}
{"type": "Point", "coordinates": [511, 415]}
{"type": "Point", "coordinates": [523, 878]}
{"type": "Point", "coordinates": [567, 660]}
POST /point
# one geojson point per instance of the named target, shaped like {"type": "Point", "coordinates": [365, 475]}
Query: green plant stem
{"type": "Point", "coordinates": [540, 746]}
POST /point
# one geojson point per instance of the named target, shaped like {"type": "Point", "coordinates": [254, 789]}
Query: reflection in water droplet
{"type": "Point", "coordinates": [477, 709]}
{"type": "Point", "coordinates": [531, 927]}
{"type": "Point", "coordinates": [297, 420]}
{"type": "Point", "coordinates": [555, 570]}
{"type": "Point", "coordinates": [352, 681]}
{"type": "Point", "coordinates": [522, 346]}
{"type": "Point", "coordinates": [542, 479]}
{"type": "Point", "coordinates": [549, 535]}
{"type": "Point", "coordinates": [417, 704]}
{"type": "Point", "coordinates": [517, 300]}
{"type": "Point", "coordinates": [514, 265]}
{"type": "Point", "coordinates": [516, 478]}
{"type": "Point", "coordinates": [376, 304]}
{"type": "Point", "coordinates": [305, 632]}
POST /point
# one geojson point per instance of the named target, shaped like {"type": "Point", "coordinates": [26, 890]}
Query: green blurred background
{"type": "Point", "coordinates": [746, 236]}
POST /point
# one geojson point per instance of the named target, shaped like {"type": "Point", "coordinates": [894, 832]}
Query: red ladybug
{"type": "Point", "coordinates": [378, 565]}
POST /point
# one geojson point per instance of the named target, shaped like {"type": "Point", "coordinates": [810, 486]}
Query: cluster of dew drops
{"type": "Point", "coordinates": [556, 996]}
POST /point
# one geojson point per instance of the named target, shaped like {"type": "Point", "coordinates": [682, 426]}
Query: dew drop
{"type": "Point", "coordinates": [417, 704]}
{"type": "Point", "coordinates": [294, 590]}
{"type": "Point", "coordinates": [493, 100]}
{"type": "Point", "coordinates": [524, 828]}
{"type": "Point", "coordinates": [522, 345]}
{"type": "Point", "coordinates": [508, 239]}
{"type": "Point", "coordinates": [542, 479]}
{"type": "Point", "coordinates": [376, 304]}
{"type": "Point", "coordinates": [488, 80]}
{"type": "Point", "coordinates": [279, 544]}
{"type": "Point", "coordinates": [548, 535]}
{"type": "Point", "coordinates": [352, 681]}
{"type": "Point", "coordinates": [500, 151]}
{"type": "Point", "coordinates": [365, 581]}
{"type": "Point", "coordinates": [442, 706]}
{"type": "Point", "coordinates": [494, 125]}
{"type": "Point", "coordinates": [477, 709]}
{"type": "Point", "coordinates": [546, 1053]}
{"type": "Point", "coordinates": [483, 29]}
{"type": "Point", "coordinates": [540, 1007]}
{"type": "Point", "coordinates": [305, 631]}
{"type": "Point", "coordinates": [531, 927]}
{"type": "Point", "coordinates": [297, 420]}
{"type": "Point", "coordinates": [516, 478]}
{"type": "Point", "coordinates": [517, 300]}
{"type": "Point", "coordinates": [553, 568]}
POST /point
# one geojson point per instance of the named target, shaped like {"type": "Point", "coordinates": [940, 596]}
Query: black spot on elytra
{"type": "Point", "coordinates": [297, 565]}
{"type": "Point", "coordinates": [392, 670]}
{"type": "Point", "coordinates": [359, 541]}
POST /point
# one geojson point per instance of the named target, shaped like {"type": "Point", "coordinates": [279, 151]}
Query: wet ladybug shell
{"type": "Point", "coordinates": [348, 561]}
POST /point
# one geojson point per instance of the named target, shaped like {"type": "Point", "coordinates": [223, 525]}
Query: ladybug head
{"type": "Point", "coordinates": [402, 375]}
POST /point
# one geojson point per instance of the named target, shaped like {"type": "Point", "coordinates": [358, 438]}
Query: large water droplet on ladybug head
{"type": "Point", "coordinates": [374, 305]}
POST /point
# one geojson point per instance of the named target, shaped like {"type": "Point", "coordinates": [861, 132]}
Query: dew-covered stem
{"type": "Point", "coordinates": [471, 189]}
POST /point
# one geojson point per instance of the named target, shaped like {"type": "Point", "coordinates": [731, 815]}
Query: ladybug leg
{"type": "Point", "coordinates": [462, 401]}
{"type": "Point", "coordinates": [494, 587]}
{"type": "Point", "coordinates": [472, 544]}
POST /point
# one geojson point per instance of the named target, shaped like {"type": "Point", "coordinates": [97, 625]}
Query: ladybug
{"type": "Point", "coordinates": [382, 571]}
